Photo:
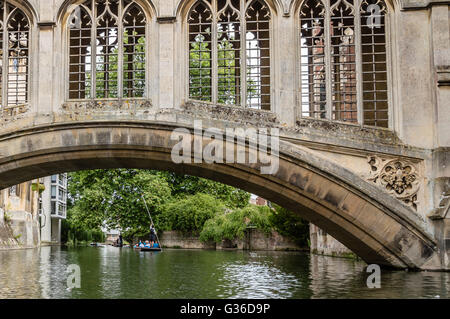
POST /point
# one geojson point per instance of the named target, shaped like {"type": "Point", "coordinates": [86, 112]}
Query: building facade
{"type": "Point", "coordinates": [19, 216]}
{"type": "Point", "coordinates": [53, 208]}
{"type": "Point", "coordinates": [31, 213]}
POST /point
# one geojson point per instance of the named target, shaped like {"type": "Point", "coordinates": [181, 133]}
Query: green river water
{"type": "Point", "coordinates": [108, 272]}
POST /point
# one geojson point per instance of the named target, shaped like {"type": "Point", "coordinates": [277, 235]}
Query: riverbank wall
{"type": "Point", "coordinates": [18, 230]}
{"type": "Point", "coordinates": [7, 240]}
{"type": "Point", "coordinates": [253, 240]}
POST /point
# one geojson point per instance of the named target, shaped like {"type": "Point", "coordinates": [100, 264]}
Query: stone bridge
{"type": "Point", "coordinates": [381, 190]}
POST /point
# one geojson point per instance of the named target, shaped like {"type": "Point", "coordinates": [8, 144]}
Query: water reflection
{"type": "Point", "coordinates": [108, 272]}
{"type": "Point", "coordinates": [16, 279]}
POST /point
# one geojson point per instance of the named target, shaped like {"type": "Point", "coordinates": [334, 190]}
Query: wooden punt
{"type": "Point", "coordinates": [150, 249]}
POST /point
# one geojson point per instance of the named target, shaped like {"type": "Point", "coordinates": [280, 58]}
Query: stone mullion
{"type": "Point", "coordinates": [120, 59]}
{"type": "Point", "coordinates": [359, 66]}
{"type": "Point", "coordinates": [328, 71]}
{"type": "Point", "coordinates": [148, 64]}
{"type": "Point", "coordinates": [215, 53]}
{"type": "Point", "coordinates": [243, 53]}
{"type": "Point", "coordinates": [94, 52]}
{"type": "Point", "coordinates": [5, 58]}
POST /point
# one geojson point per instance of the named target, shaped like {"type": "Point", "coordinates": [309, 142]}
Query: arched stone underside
{"type": "Point", "coordinates": [378, 228]}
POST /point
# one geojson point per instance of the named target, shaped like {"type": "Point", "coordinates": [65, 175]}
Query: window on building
{"type": "Point", "coordinates": [14, 55]}
{"type": "Point", "coordinates": [61, 210]}
{"type": "Point", "coordinates": [229, 52]}
{"type": "Point", "coordinates": [62, 179]}
{"type": "Point", "coordinates": [107, 50]}
{"type": "Point", "coordinates": [344, 61]}
{"type": "Point", "coordinates": [53, 192]}
{"type": "Point", "coordinates": [14, 190]}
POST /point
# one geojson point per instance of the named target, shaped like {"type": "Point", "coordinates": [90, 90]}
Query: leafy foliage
{"type": "Point", "coordinates": [290, 225]}
{"type": "Point", "coordinates": [191, 185]}
{"type": "Point", "coordinates": [112, 198]}
{"type": "Point", "coordinates": [234, 224]}
{"type": "Point", "coordinates": [75, 236]}
{"type": "Point", "coordinates": [190, 214]}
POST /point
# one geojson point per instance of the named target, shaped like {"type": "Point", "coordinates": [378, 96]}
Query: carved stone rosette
{"type": "Point", "coordinates": [398, 177]}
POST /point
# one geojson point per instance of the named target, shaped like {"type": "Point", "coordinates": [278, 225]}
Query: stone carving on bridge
{"type": "Point", "coordinates": [286, 7]}
{"type": "Point", "coordinates": [246, 116]}
{"type": "Point", "coordinates": [400, 178]}
{"type": "Point", "coordinates": [14, 112]}
{"type": "Point", "coordinates": [107, 105]}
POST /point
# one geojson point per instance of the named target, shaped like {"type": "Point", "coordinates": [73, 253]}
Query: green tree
{"type": "Point", "coordinates": [232, 225]}
{"type": "Point", "coordinates": [112, 198]}
{"type": "Point", "coordinates": [191, 213]}
{"type": "Point", "coordinates": [185, 185]}
{"type": "Point", "coordinates": [290, 225]}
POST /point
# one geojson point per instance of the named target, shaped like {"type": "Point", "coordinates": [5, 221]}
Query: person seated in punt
{"type": "Point", "coordinates": [140, 245]}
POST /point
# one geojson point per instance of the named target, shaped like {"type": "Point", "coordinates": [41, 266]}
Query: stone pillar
{"type": "Point", "coordinates": [440, 33]}
{"type": "Point", "coordinates": [45, 58]}
{"type": "Point", "coordinates": [166, 53]}
{"type": "Point", "coordinates": [56, 230]}
{"type": "Point", "coordinates": [285, 57]}
{"type": "Point", "coordinates": [46, 221]}
{"type": "Point", "coordinates": [411, 43]}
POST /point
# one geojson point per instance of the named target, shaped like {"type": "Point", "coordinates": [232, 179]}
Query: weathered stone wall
{"type": "Point", "coordinates": [7, 240]}
{"type": "Point", "coordinates": [173, 239]}
{"type": "Point", "coordinates": [254, 240]}
{"type": "Point", "coordinates": [324, 244]}
{"type": "Point", "coordinates": [25, 230]}
{"type": "Point", "coordinates": [19, 217]}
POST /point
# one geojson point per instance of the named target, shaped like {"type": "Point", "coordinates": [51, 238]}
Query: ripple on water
{"type": "Point", "coordinates": [123, 273]}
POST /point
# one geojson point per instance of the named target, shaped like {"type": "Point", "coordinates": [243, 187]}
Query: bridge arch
{"type": "Point", "coordinates": [376, 227]}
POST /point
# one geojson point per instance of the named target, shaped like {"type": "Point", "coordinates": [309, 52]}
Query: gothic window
{"type": "Point", "coordinates": [107, 50]}
{"type": "Point", "coordinates": [344, 61]}
{"type": "Point", "coordinates": [229, 52]}
{"type": "Point", "coordinates": [14, 56]}
{"type": "Point", "coordinates": [312, 53]}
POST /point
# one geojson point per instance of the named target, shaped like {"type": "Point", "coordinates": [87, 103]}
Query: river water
{"type": "Point", "coordinates": [108, 272]}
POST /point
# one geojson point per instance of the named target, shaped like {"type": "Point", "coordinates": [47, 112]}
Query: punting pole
{"type": "Point", "coordinates": [151, 220]}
